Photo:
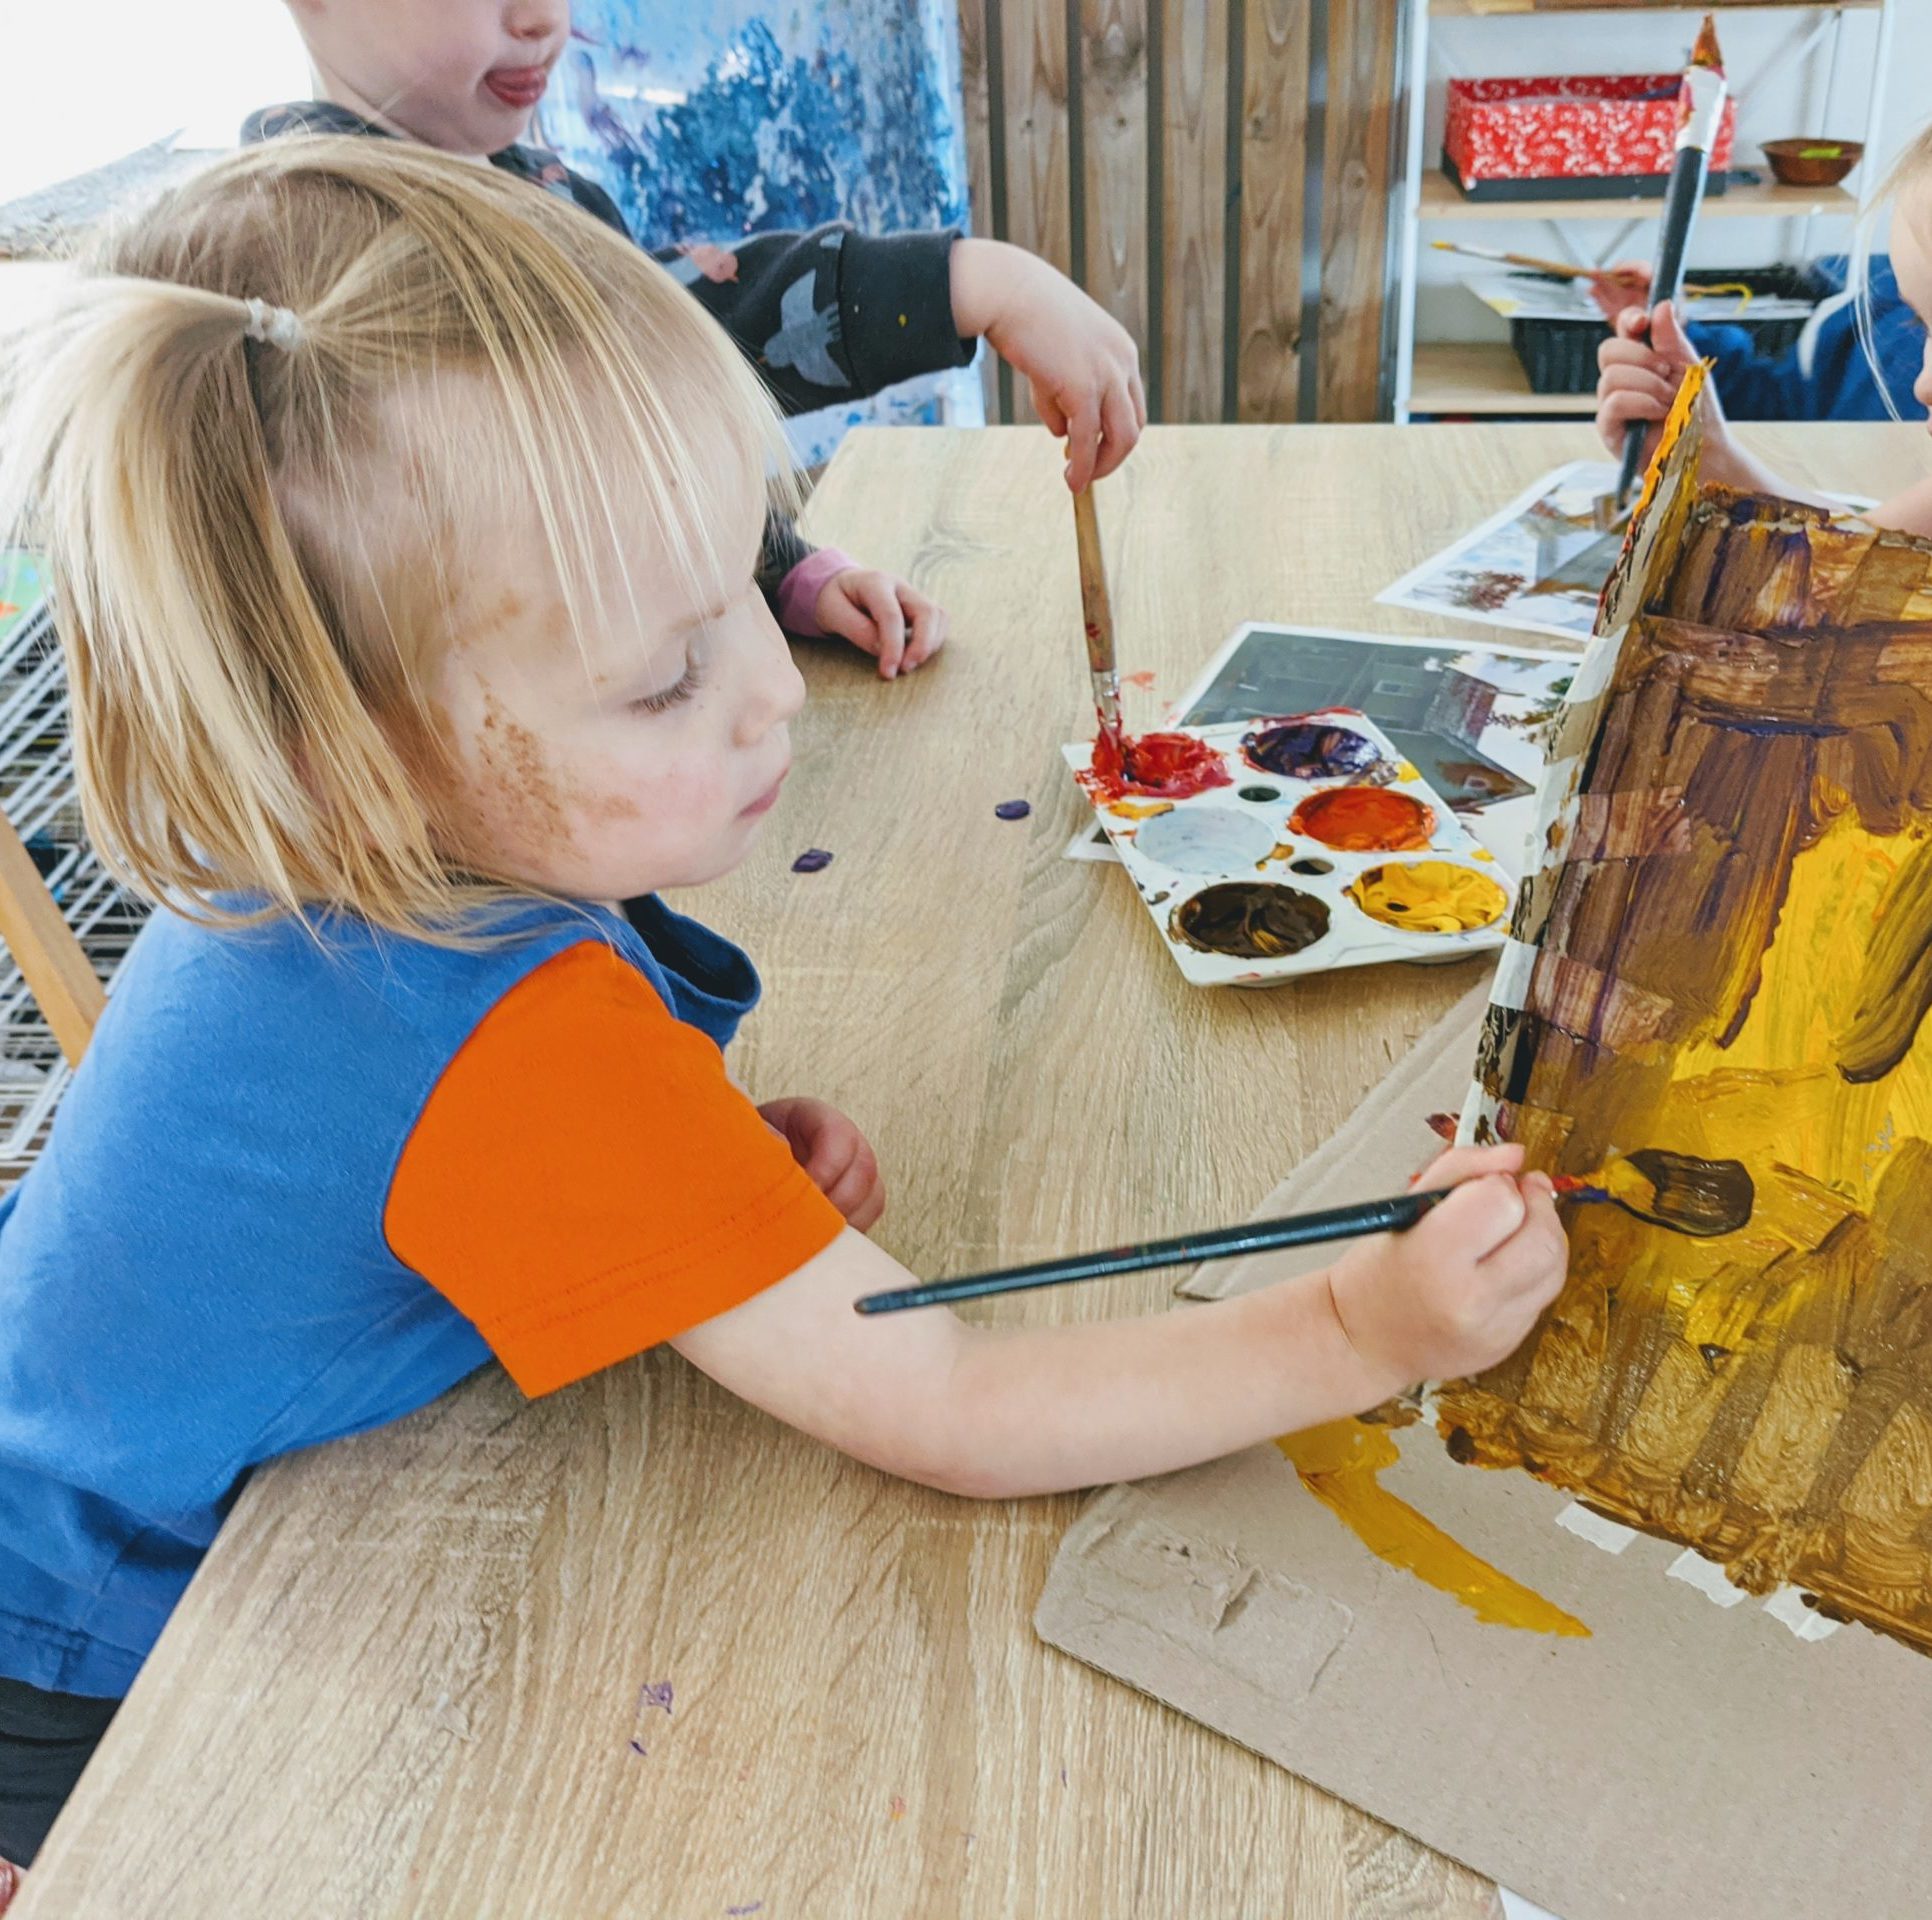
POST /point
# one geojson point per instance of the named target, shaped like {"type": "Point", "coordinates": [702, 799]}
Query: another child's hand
{"type": "Point", "coordinates": [1638, 376]}
{"type": "Point", "coordinates": [1623, 286]}
{"type": "Point", "coordinates": [1461, 1289]}
{"type": "Point", "coordinates": [883, 616]}
{"type": "Point", "coordinates": [835, 1153]}
{"type": "Point", "coordinates": [1081, 363]}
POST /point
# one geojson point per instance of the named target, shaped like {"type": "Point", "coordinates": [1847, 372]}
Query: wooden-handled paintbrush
{"type": "Point", "coordinates": [1701, 107]}
{"type": "Point", "coordinates": [1703, 1198]}
{"type": "Point", "coordinates": [1097, 616]}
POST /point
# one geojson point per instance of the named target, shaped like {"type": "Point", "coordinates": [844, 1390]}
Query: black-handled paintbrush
{"type": "Point", "coordinates": [1702, 1198]}
{"type": "Point", "coordinates": [1702, 110]}
{"type": "Point", "coordinates": [1221, 1243]}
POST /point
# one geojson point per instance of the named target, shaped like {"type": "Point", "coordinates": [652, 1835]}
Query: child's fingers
{"type": "Point", "coordinates": [1052, 415]}
{"type": "Point", "coordinates": [1083, 443]}
{"type": "Point", "coordinates": [1476, 1219]}
{"type": "Point", "coordinates": [880, 599]}
{"type": "Point", "coordinates": [1633, 322]}
{"type": "Point", "coordinates": [1119, 428]}
{"type": "Point", "coordinates": [1138, 390]}
{"type": "Point", "coordinates": [1668, 336]}
{"type": "Point", "coordinates": [929, 629]}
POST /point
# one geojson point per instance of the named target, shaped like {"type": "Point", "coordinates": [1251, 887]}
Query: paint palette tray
{"type": "Point", "coordinates": [1295, 845]}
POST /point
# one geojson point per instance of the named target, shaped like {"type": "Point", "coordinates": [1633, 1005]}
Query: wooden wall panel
{"type": "Point", "coordinates": [1274, 144]}
{"type": "Point", "coordinates": [977, 59]}
{"type": "Point", "coordinates": [1358, 156]}
{"type": "Point", "coordinates": [1157, 150]}
{"type": "Point", "coordinates": [1114, 110]}
{"type": "Point", "coordinates": [1194, 172]}
{"type": "Point", "coordinates": [1039, 190]}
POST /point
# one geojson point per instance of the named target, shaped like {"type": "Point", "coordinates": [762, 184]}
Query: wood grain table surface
{"type": "Point", "coordinates": [635, 1649]}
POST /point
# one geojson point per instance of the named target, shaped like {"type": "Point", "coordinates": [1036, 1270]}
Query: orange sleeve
{"type": "Point", "coordinates": [585, 1182]}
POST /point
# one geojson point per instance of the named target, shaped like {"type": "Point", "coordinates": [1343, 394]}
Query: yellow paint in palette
{"type": "Point", "coordinates": [1341, 1465]}
{"type": "Point", "coordinates": [1429, 896]}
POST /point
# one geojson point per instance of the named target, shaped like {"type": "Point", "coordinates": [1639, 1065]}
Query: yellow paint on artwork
{"type": "Point", "coordinates": [1139, 809]}
{"type": "Point", "coordinates": [1341, 1464]}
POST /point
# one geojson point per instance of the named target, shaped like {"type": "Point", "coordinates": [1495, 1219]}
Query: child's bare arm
{"type": "Point", "coordinates": [1001, 1412]}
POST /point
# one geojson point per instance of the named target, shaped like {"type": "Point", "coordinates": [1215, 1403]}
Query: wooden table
{"type": "Point", "coordinates": [408, 1680]}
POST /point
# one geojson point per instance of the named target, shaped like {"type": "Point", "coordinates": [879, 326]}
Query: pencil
{"type": "Point", "coordinates": [1221, 1243]}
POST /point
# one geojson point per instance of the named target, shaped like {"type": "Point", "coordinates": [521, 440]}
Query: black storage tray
{"type": "Point", "coordinates": [1560, 356]}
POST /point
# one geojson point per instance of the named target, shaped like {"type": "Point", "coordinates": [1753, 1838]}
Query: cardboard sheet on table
{"type": "Point", "coordinates": [1685, 1760]}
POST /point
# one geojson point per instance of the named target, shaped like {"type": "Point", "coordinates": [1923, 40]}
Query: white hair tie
{"type": "Point", "coordinates": [277, 326]}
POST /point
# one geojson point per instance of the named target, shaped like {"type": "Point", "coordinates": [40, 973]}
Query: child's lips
{"type": "Point", "coordinates": [518, 86]}
{"type": "Point", "coordinates": [769, 798]}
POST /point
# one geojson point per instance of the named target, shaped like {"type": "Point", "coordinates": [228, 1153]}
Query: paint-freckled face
{"type": "Point", "coordinates": [637, 748]}
{"type": "Point", "coordinates": [1912, 262]}
{"type": "Point", "coordinates": [462, 75]}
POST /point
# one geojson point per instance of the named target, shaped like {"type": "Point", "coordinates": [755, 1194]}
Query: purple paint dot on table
{"type": "Point", "coordinates": [756, 1906]}
{"type": "Point", "coordinates": [654, 1693]}
{"type": "Point", "coordinates": [812, 860]}
{"type": "Point", "coordinates": [1013, 809]}
{"type": "Point", "coordinates": [637, 1747]}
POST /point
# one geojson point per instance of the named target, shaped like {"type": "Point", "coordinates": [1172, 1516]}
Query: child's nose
{"type": "Point", "coordinates": [537, 19]}
{"type": "Point", "coordinates": [775, 696]}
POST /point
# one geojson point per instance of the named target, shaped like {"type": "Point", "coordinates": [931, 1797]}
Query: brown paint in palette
{"type": "Point", "coordinates": [1250, 919]}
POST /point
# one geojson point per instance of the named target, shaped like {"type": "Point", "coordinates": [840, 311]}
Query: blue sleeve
{"type": "Point", "coordinates": [1752, 386]}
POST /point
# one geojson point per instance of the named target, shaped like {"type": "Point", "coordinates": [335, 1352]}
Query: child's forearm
{"type": "Point", "coordinates": [1043, 1409]}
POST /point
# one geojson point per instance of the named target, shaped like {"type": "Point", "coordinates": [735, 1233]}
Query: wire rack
{"type": "Point", "coordinates": [38, 793]}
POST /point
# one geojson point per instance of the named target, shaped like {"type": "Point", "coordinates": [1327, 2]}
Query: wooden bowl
{"type": "Point", "coordinates": [1813, 163]}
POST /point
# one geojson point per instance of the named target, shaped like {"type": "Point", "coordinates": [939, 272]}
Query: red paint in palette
{"type": "Point", "coordinates": [1165, 766]}
{"type": "Point", "coordinates": [1364, 820]}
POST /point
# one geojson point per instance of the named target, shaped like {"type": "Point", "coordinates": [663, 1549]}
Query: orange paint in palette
{"type": "Point", "coordinates": [1343, 857]}
{"type": "Point", "coordinates": [1365, 820]}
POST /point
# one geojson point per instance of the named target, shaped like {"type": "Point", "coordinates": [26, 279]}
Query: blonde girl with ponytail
{"type": "Point", "coordinates": [403, 527]}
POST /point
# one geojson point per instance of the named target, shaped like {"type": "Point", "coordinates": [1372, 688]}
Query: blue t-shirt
{"type": "Point", "coordinates": [194, 1276]}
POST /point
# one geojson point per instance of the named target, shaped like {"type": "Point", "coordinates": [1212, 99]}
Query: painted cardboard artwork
{"type": "Point", "coordinates": [1726, 955]}
{"type": "Point", "coordinates": [1670, 1666]}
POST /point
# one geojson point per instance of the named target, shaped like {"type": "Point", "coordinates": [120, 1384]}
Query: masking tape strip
{"type": "Point", "coordinates": [1511, 985]}
{"type": "Point", "coordinates": [1787, 1606]}
{"type": "Point", "coordinates": [1611, 1535]}
{"type": "Point", "coordinates": [1706, 1576]}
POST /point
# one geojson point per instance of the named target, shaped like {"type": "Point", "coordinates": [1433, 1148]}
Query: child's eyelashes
{"type": "Point", "coordinates": [687, 683]}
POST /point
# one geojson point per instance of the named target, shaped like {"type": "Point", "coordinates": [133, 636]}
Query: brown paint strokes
{"type": "Point", "coordinates": [1341, 1464]}
{"type": "Point", "coordinates": [1734, 965]}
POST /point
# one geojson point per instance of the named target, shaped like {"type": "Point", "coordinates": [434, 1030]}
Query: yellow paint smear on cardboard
{"type": "Point", "coordinates": [1341, 1465]}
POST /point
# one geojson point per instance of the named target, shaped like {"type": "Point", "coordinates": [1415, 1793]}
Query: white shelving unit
{"type": "Point", "coordinates": [37, 792]}
{"type": "Point", "coordinates": [1464, 377]}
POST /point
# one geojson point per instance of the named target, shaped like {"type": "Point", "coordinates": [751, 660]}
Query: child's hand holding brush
{"type": "Point", "coordinates": [1460, 1289]}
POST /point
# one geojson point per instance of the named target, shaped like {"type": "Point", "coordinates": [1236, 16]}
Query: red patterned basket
{"type": "Point", "coordinates": [1569, 135]}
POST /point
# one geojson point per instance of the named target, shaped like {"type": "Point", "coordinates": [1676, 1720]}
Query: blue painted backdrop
{"type": "Point", "coordinates": [719, 118]}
